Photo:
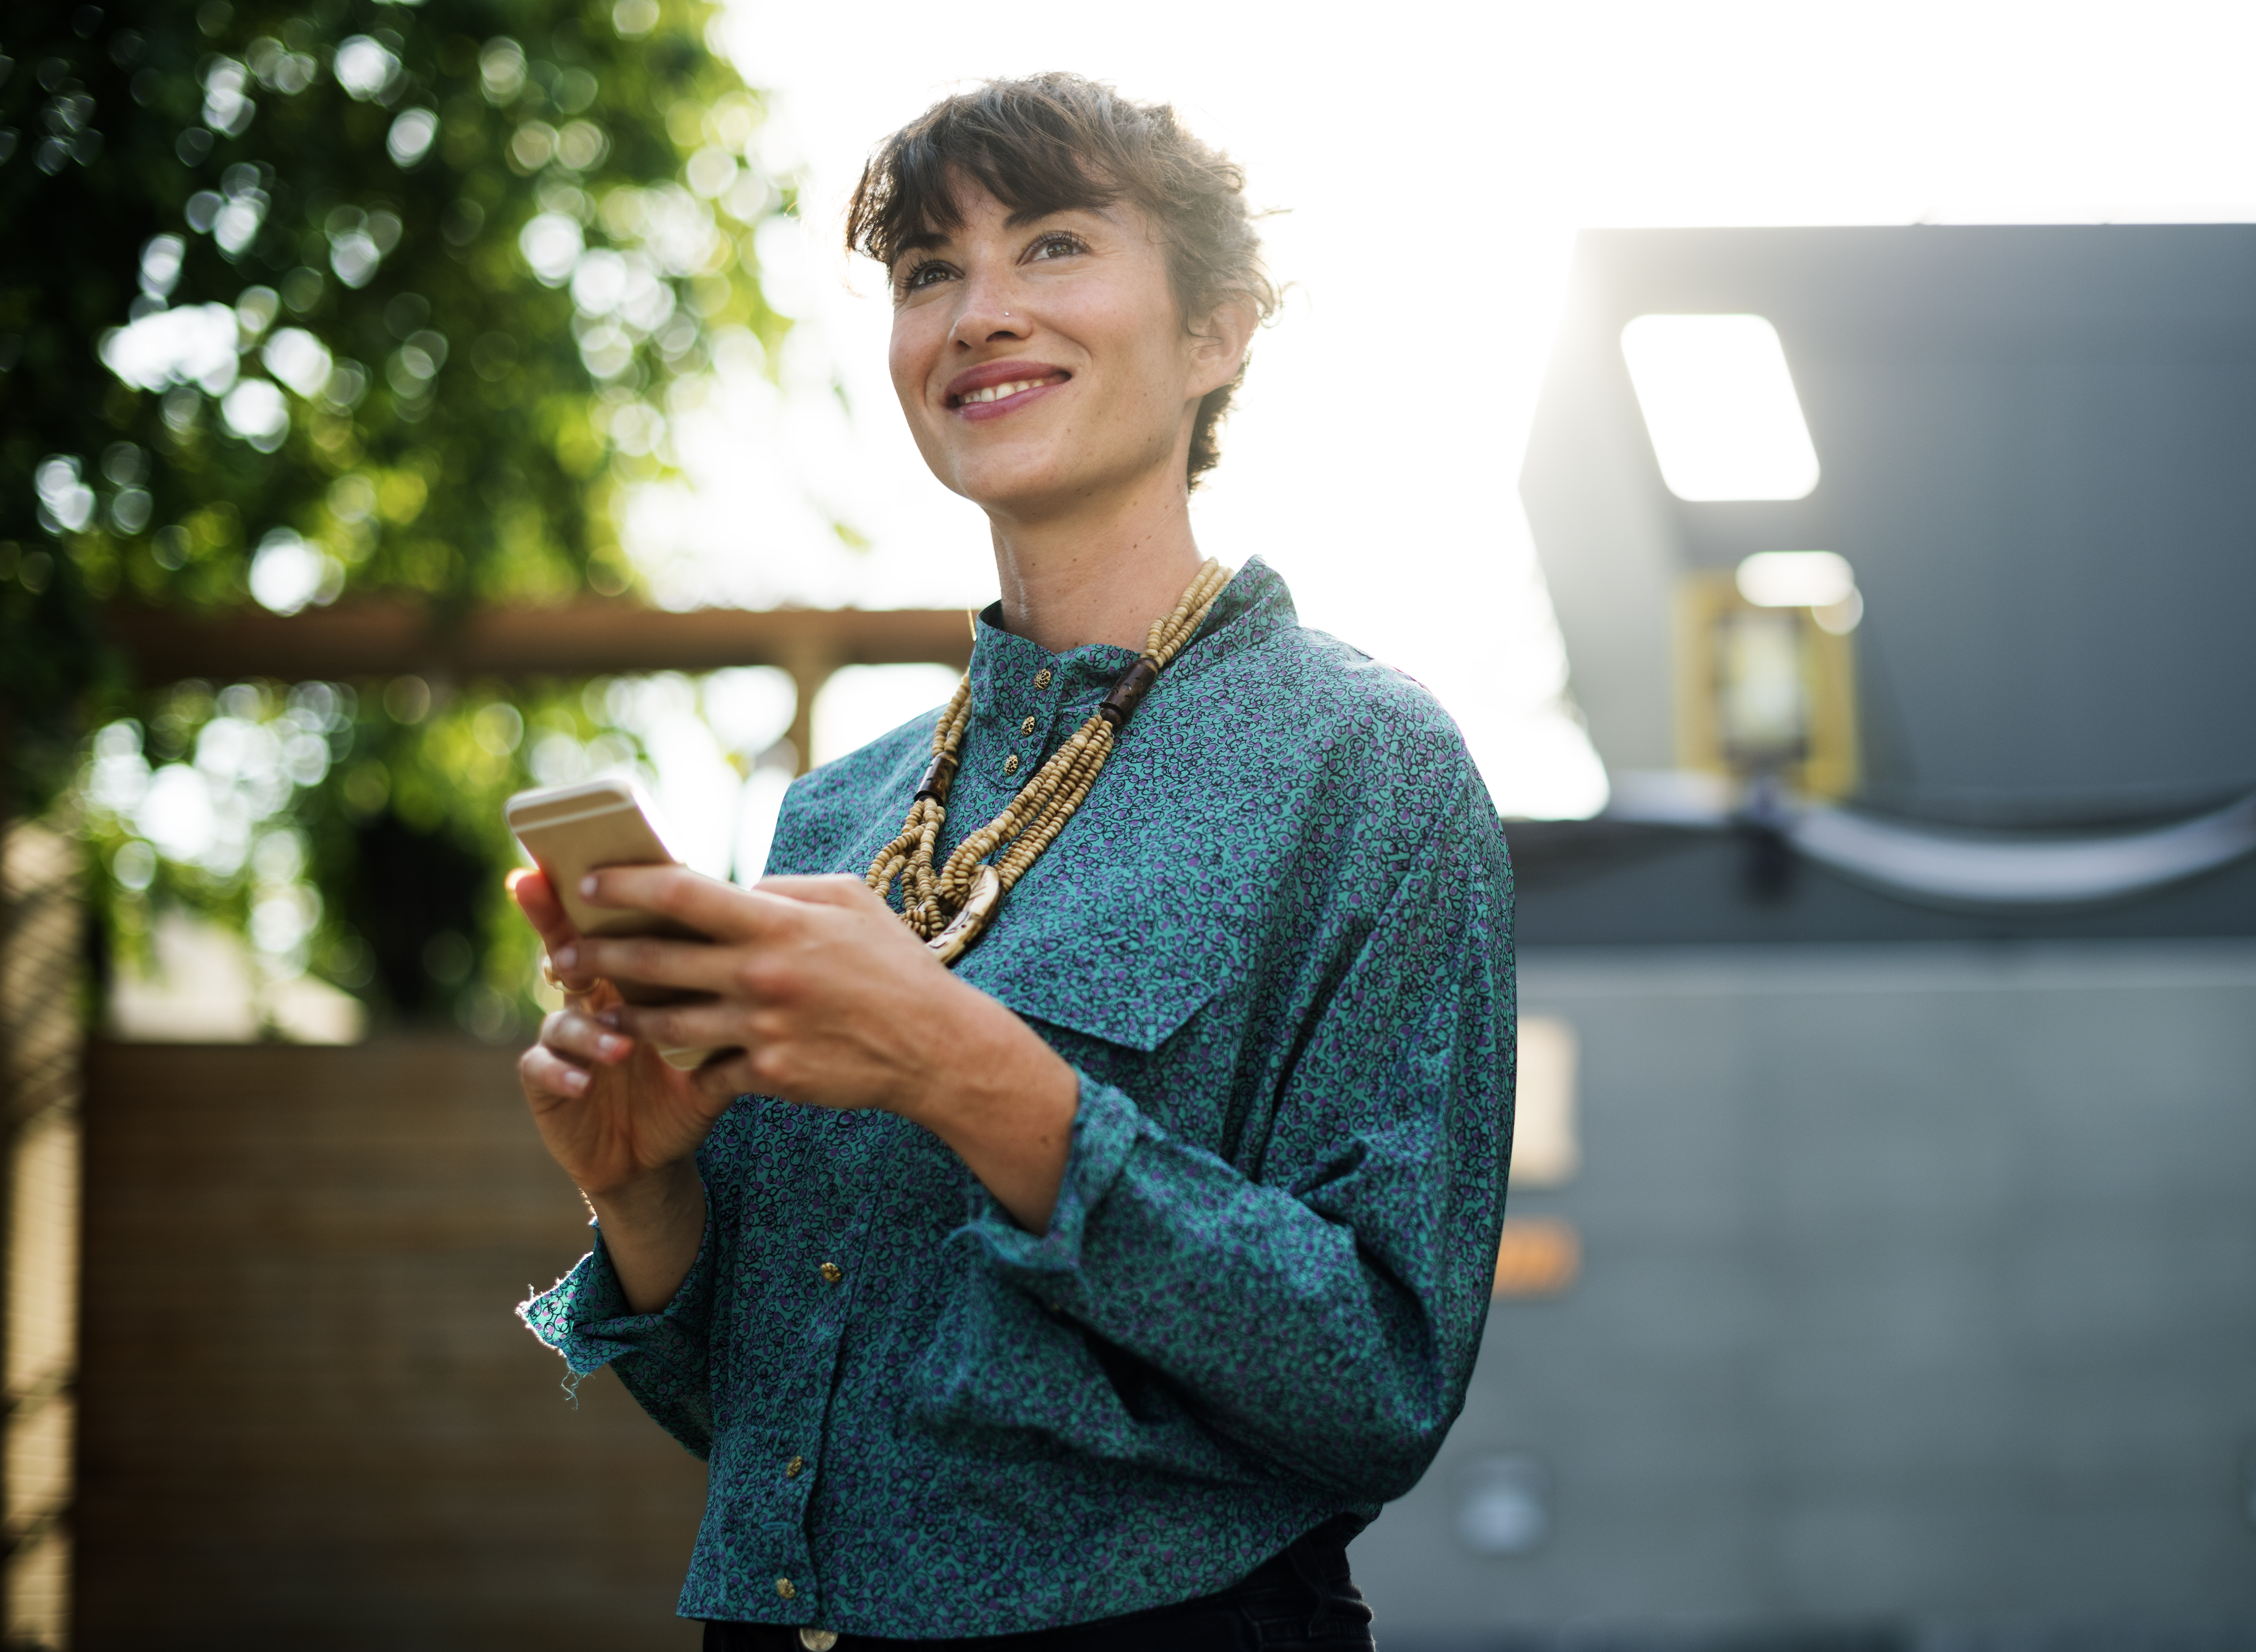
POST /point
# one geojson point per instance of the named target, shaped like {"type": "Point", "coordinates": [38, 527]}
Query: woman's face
{"type": "Point", "coordinates": [1043, 364]}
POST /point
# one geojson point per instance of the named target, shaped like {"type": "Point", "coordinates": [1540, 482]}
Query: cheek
{"type": "Point", "coordinates": [1137, 342]}
{"type": "Point", "coordinates": [909, 357]}
{"type": "Point", "coordinates": [1154, 333]}
{"type": "Point", "coordinates": [1159, 369]}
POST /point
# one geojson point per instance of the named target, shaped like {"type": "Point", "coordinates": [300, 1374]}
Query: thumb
{"type": "Point", "coordinates": [529, 888]}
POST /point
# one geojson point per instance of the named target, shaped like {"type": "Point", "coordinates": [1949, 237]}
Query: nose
{"type": "Point", "coordinates": [985, 316]}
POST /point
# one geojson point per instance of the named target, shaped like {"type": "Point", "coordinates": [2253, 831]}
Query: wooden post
{"type": "Point", "coordinates": [41, 988]}
{"type": "Point", "coordinates": [810, 665]}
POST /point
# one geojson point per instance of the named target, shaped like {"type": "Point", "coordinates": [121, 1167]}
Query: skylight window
{"type": "Point", "coordinates": [1719, 404]}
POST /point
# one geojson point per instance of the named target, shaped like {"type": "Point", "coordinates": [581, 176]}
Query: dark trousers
{"type": "Point", "coordinates": [1302, 1600]}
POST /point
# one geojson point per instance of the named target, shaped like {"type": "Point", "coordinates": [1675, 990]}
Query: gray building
{"type": "Point", "coordinates": [1914, 983]}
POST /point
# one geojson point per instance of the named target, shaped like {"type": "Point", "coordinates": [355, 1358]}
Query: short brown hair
{"type": "Point", "coordinates": [1050, 143]}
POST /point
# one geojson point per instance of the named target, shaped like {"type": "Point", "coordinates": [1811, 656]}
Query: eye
{"type": "Point", "coordinates": [924, 274]}
{"type": "Point", "coordinates": [1056, 244]}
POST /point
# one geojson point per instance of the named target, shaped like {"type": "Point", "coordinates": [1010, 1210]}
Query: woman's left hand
{"type": "Point", "coordinates": [817, 993]}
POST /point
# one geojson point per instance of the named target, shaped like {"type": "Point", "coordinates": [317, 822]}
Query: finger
{"type": "Point", "coordinates": [727, 1077]}
{"type": "Point", "coordinates": [691, 964]}
{"type": "Point", "coordinates": [719, 910]}
{"type": "Point", "coordinates": [571, 1033]}
{"type": "Point", "coordinates": [536, 898]}
{"type": "Point", "coordinates": [546, 1073]}
{"type": "Point", "coordinates": [831, 889]}
{"type": "Point", "coordinates": [579, 985]}
{"type": "Point", "coordinates": [528, 886]}
{"type": "Point", "coordinates": [683, 1026]}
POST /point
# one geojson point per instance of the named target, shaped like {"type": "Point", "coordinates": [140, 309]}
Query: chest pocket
{"type": "Point", "coordinates": [1135, 1008]}
{"type": "Point", "coordinates": [1127, 966]}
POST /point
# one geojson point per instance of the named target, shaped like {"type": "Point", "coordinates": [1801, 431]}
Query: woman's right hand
{"type": "Point", "coordinates": [611, 1112]}
{"type": "Point", "coordinates": [624, 1125]}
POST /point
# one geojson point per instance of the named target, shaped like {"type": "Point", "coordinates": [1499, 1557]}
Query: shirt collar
{"type": "Point", "coordinates": [1253, 606]}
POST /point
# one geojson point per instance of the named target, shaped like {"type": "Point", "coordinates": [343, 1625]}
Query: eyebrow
{"type": "Point", "coordinates": [922, 241]}
{"type": "Point", "coordinates": [929, 238]}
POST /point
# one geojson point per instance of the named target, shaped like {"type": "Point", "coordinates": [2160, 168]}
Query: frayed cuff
{"type": "Point", "coordinates": [584, 1316]}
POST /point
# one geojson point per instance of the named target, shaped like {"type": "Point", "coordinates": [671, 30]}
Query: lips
{"type": "Point", "coordinates": [992, 385]}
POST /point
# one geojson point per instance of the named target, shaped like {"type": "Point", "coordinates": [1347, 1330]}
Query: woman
{"type": "Point", "coordinates": [1090, 1224]}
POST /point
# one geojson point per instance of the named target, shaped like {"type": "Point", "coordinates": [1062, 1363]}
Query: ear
{"type": "Point", "coordinates": [1218, 344]}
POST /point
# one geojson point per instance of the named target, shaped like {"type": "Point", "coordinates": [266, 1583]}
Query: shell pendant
{"type": "Point", "coordinates": [967, 926]}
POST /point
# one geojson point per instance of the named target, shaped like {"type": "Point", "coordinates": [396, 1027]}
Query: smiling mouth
{"type": "Point", "coordinates": [1003, 392]}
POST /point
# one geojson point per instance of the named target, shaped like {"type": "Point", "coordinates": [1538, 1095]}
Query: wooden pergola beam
{"type": "Point", "coordinates": [375, 637]}
{"type": "Point", "coordinates": [585, 638]}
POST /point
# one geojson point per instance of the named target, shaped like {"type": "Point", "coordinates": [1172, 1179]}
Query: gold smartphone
{"type": "Point", "coordinates": [572, 830]}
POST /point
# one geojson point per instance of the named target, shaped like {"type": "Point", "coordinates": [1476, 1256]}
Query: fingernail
{"type": "Point", "coordinates": [574, 1080]}
{"type": "Point", "coordinates": [588, 885]}
{"type": "Point", "coordinates": [614, 1046]}
{"type": "Point", "coordinates": [567, 957]}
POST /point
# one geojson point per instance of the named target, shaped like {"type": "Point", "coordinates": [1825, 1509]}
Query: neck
{"type": "Point", "coordinates": [1100, 573]}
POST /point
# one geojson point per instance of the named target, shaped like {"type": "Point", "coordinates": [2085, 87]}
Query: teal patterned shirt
{"type": "Point", "coordinates": [1276, 945]}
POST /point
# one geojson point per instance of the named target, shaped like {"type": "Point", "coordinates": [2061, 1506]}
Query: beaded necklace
{"type": "Point", "coordinates": [949, 908]}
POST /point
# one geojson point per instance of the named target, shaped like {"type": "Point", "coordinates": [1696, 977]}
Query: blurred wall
{"type": "Point", "coordinates": [1916, 1293]}
{"type": "Point", "coordinates": [310, 1419]}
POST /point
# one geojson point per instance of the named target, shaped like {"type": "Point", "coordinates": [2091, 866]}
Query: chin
{"type": "Point", "coordinates": [1010, 483]}
{"type": "Point", "coordinates": [1041, 478]}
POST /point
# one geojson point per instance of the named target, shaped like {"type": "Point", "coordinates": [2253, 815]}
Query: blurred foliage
{"type": "Point", "coordinates": [326, 297]}
{"type": "Point", "coordinates": [354, 832]}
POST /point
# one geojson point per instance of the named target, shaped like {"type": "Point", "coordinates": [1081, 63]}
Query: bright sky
{"type": "Point", "coordinates": [1435, 160]}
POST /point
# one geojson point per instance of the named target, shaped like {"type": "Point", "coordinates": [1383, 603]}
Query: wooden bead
{"type": "Point", "coordinates": [938, 777]}
{"type": "Point", "coordinates": [949, 906]}
{"type": "Point", "coordinates": [1129, 692]}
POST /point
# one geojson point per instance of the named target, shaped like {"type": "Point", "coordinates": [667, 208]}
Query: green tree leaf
{"type": "Point", "coordinates": [305, 300]}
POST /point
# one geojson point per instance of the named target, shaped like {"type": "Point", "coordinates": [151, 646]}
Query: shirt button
{"type": "Point", "coordinates": [1027, 727]}
{"type": "Point", "coordinates": [1042, 678]}
{"type": "Point", "coordinates": [785, 1587]}
{"type": "Point", "coordinates": [1011, 764]}
{"type": "Point", "coordinates": [831, 1273]}
{"type": "Point", "coordinates": [817, 1640]}
{"type": "Point", "coordinates": [791, 1469]}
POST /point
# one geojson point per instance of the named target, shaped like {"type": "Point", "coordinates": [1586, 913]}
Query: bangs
{"type": "Point", "coordinates": [1030, 153]}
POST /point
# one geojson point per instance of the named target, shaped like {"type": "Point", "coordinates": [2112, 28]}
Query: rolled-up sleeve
{"type": "Point", "coordinates": [663, 1357]}
{"type": "Point", "coordinates": [1320, 1310]}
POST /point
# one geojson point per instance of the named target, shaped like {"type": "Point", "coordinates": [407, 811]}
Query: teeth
{"type": "Point", "coordinates": [996, 392]}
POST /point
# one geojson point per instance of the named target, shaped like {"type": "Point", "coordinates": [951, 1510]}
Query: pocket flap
{"type": "Point", "coordinates": [1111, 998]}
{"type": "Point", "coordinates": [1094, 943]}
{"type": "Point", "coordinates": [1133, 986]}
